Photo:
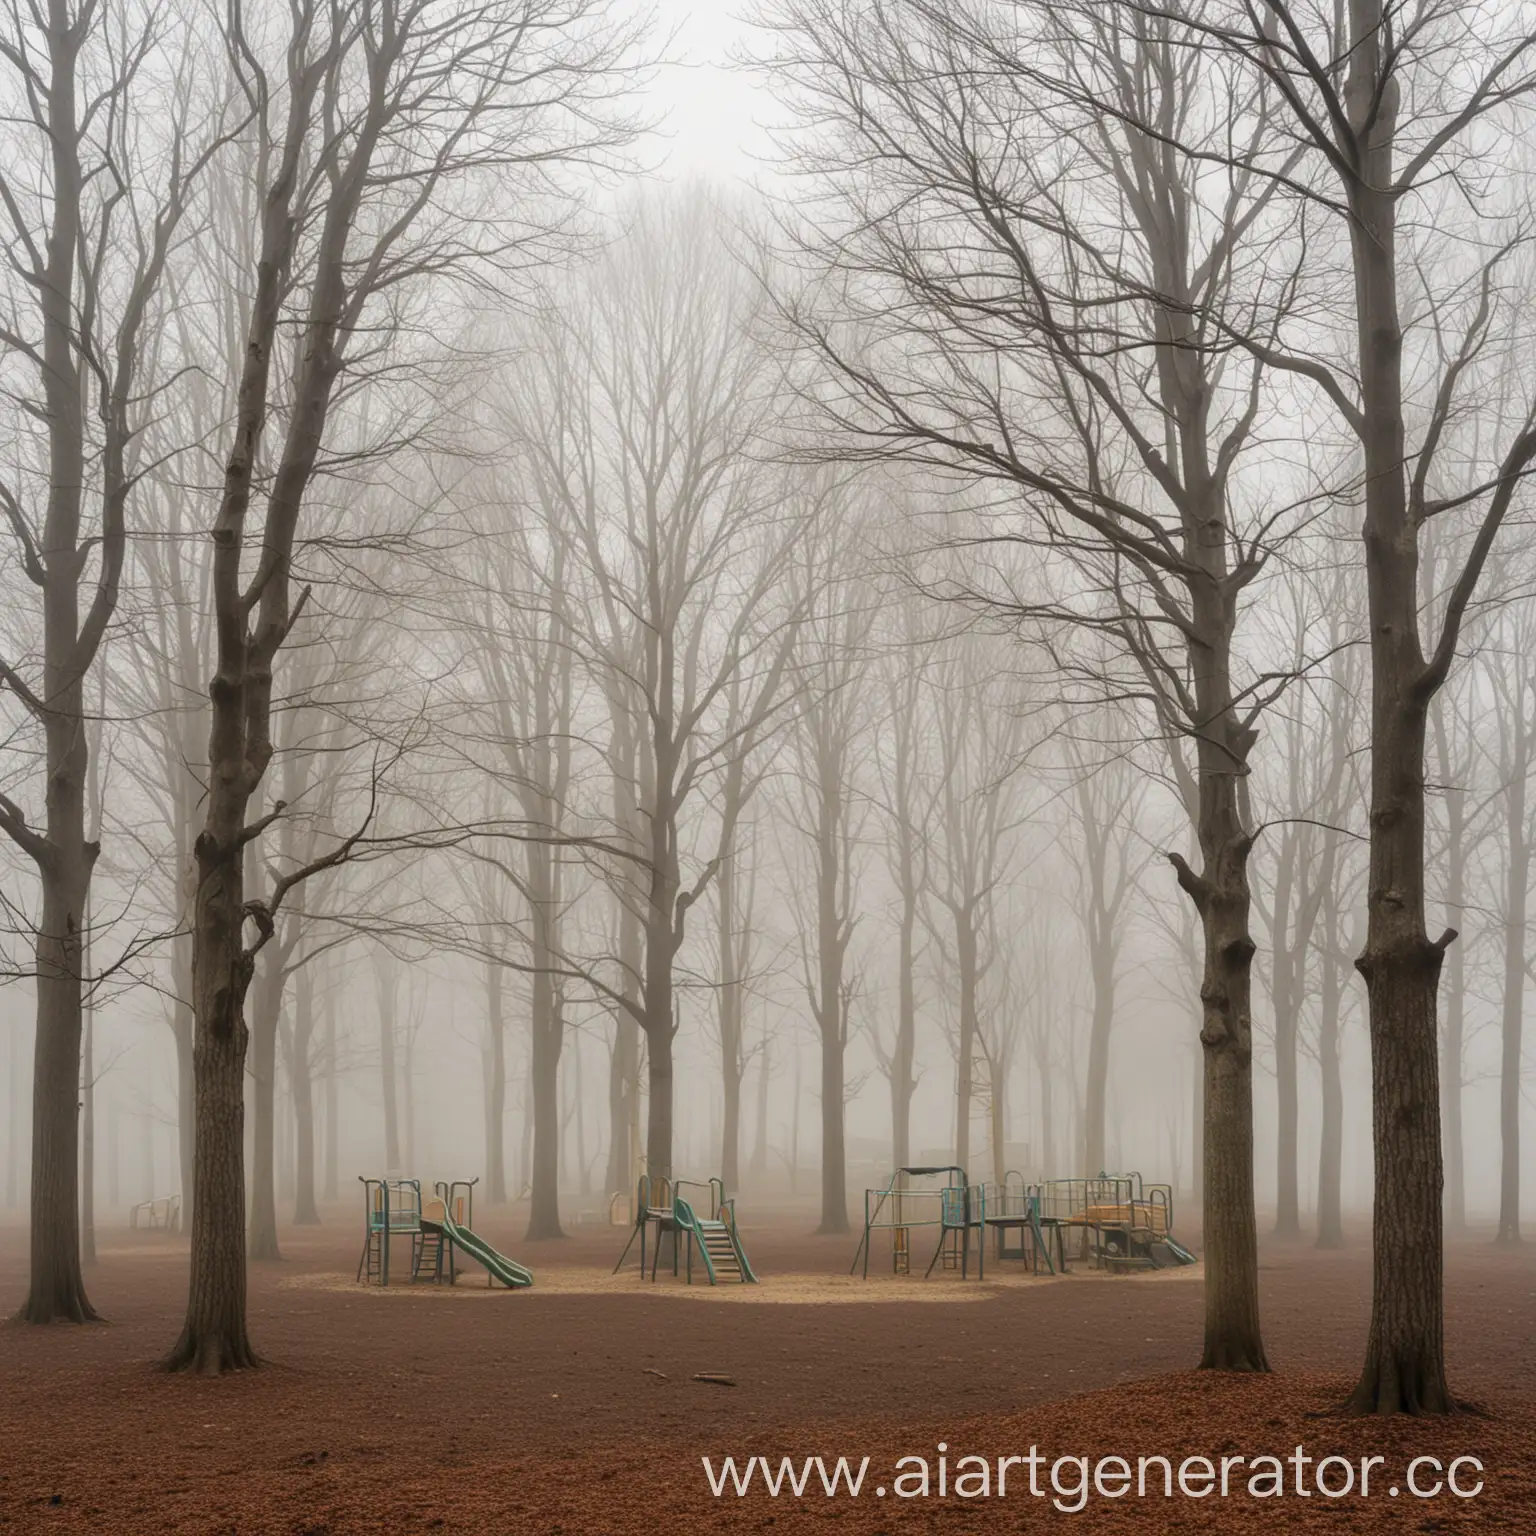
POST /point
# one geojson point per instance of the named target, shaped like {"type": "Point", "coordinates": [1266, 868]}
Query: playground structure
{"type": "Point", "coordinates": [162, 1213]}
{"type": "Point", "coordinates": [1125, 1224]}
{"type": "Point", "coordinates": [1119, 1223]}
{"type": "Point", "coordinates": [438, 1232]}
{"type": "Point", "coordinates": [661, 1204]}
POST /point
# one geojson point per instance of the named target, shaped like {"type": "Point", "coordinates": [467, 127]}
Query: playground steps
{"type": "Point", "coordinates": [715, 1237]}
{"type": "Point", "coordinates": [428, 1258]}
{"type": "Point", "coordinates": [372, 1266]}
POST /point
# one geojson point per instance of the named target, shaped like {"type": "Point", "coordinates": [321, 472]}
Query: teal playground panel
{"type": "Point", "coordinates": [661, 1204]}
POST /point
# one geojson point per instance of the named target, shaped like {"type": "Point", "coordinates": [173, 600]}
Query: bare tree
{"type": "Point", "coordinates": [93, 203]}
{"type": "Point", "coordinates": [644, 406]}
{"type": "Point", "coordinates": [1383, 120]}
{"type": "Point", "coordinates": [1022, 288]}
{"type": "Point", "coordinates": [979, 721]}
{"type": "Point", "coordinates": [1105, 798]}
{"type": "Point", "coordinates": [378, 142]}
{"type": "Point", "coordinates": [829, 808]}
{"type": "Point", "coordinates": [906, 802]}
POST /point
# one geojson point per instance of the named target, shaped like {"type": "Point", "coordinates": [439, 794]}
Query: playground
{"type": "Point", "coordinates": [571, 1405]}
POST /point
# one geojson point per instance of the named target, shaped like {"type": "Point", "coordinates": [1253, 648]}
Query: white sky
{"type": "Point", "coordinates": [712, 111]}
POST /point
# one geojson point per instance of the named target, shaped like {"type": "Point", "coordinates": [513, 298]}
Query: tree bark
{"type": "Point", "coordinates": [214, 1337]}
{"type": "Point", "coordinates": [1404, 1369]}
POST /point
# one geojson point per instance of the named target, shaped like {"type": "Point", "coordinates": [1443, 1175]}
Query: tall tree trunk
{"type": "Point", "coordinates": [495, 1088]}
{"type": "Point", "coordinates": [214, 1336]}
{"type": "Point", "coordinates": [1221, 895]}
{"type": "Point", "coordinates": [57, 1286]}
{"type": "Point", "coordinates": [306, 1213]}
{"type": "Point", "coordinates": [1404, 1367]}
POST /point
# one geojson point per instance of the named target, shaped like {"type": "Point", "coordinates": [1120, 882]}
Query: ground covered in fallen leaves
{"type": "Point", "coordinates": [575, 1408]}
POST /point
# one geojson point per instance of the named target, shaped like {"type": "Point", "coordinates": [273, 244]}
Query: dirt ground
{"type": "Point", "coordinates": [573, 1408]}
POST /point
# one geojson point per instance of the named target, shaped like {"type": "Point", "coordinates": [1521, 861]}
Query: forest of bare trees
{"type": "Point", "coordinates": [510, 664]}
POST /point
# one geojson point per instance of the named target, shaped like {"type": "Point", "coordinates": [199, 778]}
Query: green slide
{"type": "Point", "coordinates": [499, 1266]}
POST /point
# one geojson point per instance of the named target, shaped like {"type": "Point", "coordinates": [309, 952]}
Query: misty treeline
{"type": "Point", "coordinates": [1070, 526]}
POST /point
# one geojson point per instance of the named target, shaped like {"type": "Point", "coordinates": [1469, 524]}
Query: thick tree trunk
{"type": "Point", "coordinates": [495, 1088]}
{"type": "Point", "coordinates": [266, 1004]}
{"type": "Point", "coordinates": [1404, 1366]}
{"type": "Point", "coordinates": [1233, 1339]}
{"type": "Point", "coordinates": [57, 1287]}
{"type": "Point", "coordinates": [214, 1337]}
{"type": "Point", "coordinates": [306, 1213]}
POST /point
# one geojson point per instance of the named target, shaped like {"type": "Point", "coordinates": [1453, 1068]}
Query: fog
{"type": "Point", "coordinates": [667, 601]}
